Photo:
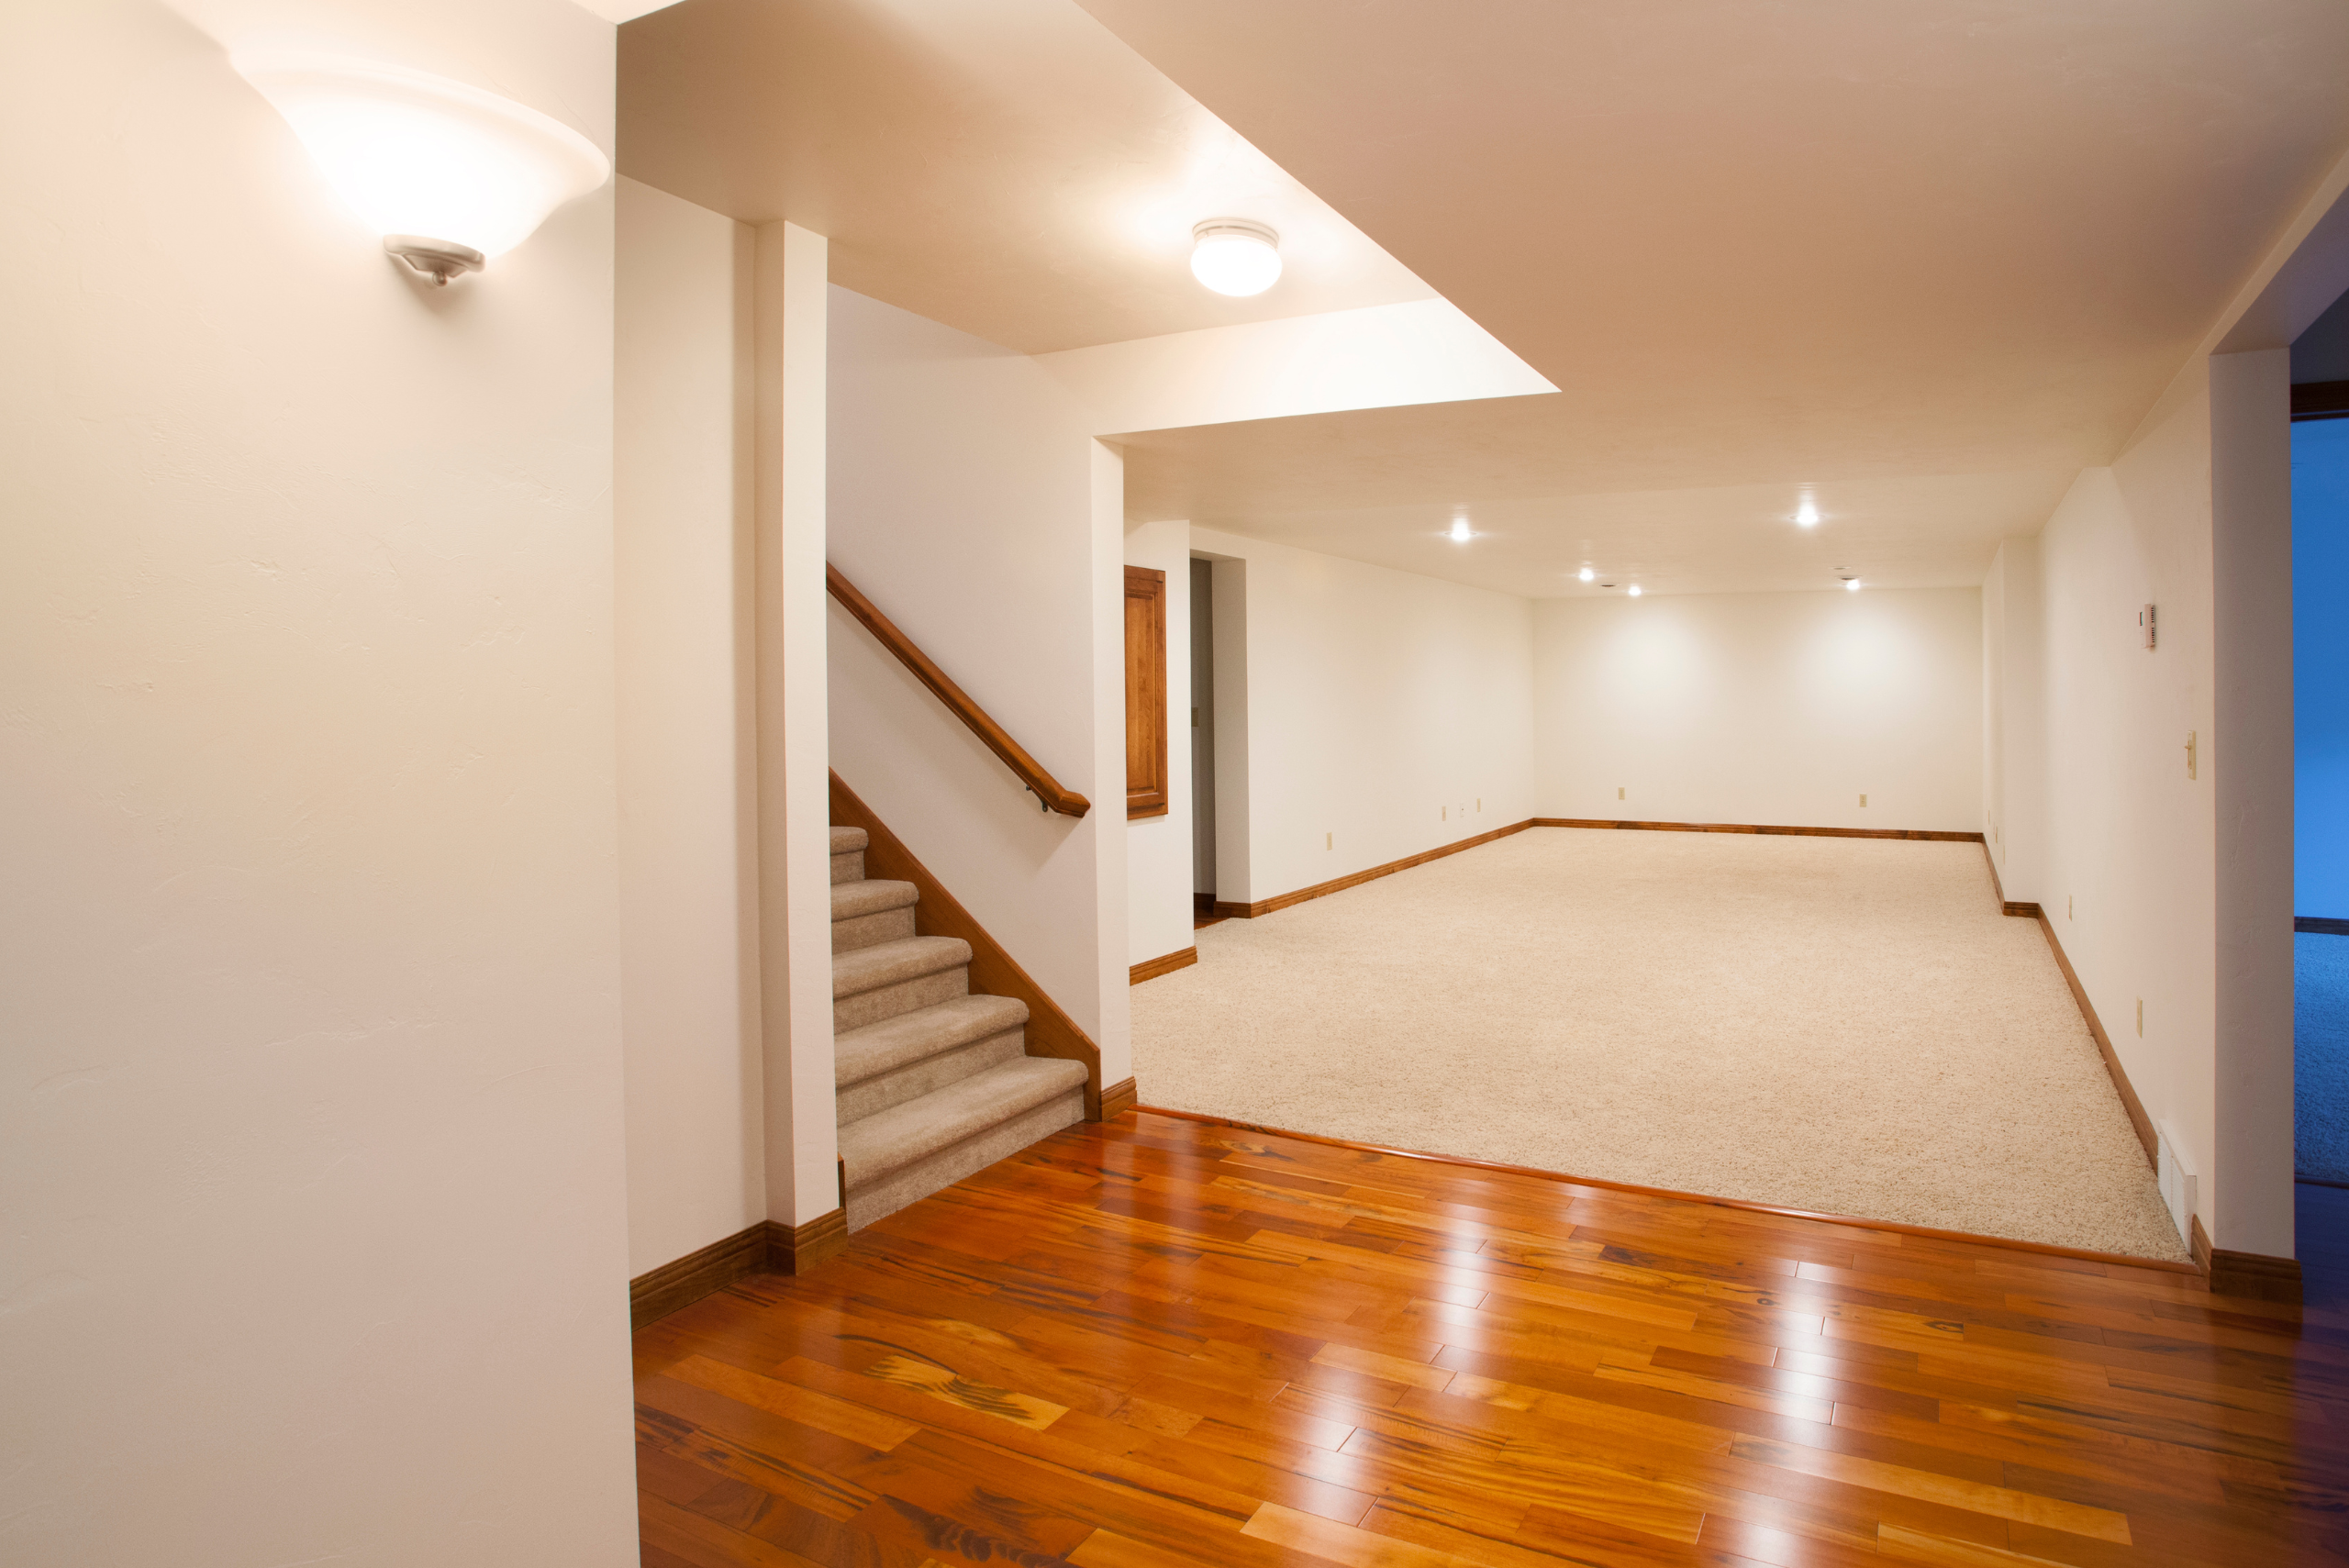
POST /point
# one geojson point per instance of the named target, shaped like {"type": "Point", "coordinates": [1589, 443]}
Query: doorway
{"type": "Point", "coordinates": [1203, 744]}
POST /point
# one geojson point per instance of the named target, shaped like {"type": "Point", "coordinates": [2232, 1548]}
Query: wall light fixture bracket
{"type": "Point", "coordinates": [439, 260]}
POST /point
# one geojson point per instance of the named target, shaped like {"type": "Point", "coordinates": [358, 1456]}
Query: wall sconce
{"type": "Point", "coordinates": [448, 174]}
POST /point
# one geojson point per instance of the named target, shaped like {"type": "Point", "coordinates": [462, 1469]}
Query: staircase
{"type": "Point", "coordinates": [931, 1082]}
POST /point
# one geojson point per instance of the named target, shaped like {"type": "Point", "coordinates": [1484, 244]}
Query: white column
{"type": "Point", "coordinates": [1108, 818]}
{"type": "Point", "coordinates": [795, 796]}
{"type": "Point", "coordinates": [2250, 747]}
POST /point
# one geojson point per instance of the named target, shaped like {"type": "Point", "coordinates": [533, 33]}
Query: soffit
{"type": "Point", "coordinates": [1006, 167]}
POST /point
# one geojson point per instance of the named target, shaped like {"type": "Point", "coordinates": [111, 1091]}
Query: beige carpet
{"type": "Point", "coordinates": [1842, 1025]}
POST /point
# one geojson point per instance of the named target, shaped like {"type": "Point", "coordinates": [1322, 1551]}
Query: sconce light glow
{"type": "Point", "coordinates": [1635, 590]}
{"type": "Point", "coordinates": [448, 174]}
{"type": "Point", "coordinates": [1586, 574]}
{"type": "Point", "coordinates": [1233, 256]}
{"type": "Point", "coordinates": [1459, 533]}
{"type": "Point", "coordinates": [1806, 515]}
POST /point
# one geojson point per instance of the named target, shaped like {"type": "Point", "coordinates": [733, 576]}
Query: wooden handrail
{"type": "Point", "coordinates": [1048, 789]}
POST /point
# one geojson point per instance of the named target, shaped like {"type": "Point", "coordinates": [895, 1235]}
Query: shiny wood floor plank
{"type": "Point", "coordinates": [1161, 1344]}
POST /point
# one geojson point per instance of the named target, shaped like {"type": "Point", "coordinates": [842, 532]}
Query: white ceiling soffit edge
{"type": "Point", "coordinates": [623, 10]}
{"type": "Point", "coordinates": [1379, 356]}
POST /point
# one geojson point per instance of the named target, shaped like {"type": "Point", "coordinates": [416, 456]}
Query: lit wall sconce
{"type": "Point", "coordinates": [448, 174]}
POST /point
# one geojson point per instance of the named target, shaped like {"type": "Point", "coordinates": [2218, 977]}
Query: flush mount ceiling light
{"type": "Point", "coordinates": [1458, 533]}
{"type": "Point", "coordinates": [1233, 256]}
{"type": "Point", "coordinates": [448, 174]}
{"type": "Point", "coordinates": [1633, 590]}
{"type": "Point", "coordinates": [1806, 515]}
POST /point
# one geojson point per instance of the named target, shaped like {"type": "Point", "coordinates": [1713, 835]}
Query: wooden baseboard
{"type": "Point", "coordinates": [2006, 905]}
{"type": "Point", "coordinates": [1117, 1100]}
{"type": "Point", "coordinates": [1932, 833]}
{"type": "Point", "coordinates": [994, 971]}
{"type": "Point", "coordinates": [1338, 884]}
{"type": "Point", "coordinates": [2321, 925]}
{"type": "Point", "coordinates": [2255, 1277]}
{"type": "Point", "coordinates": [766, 1247]}
{"type": "Point", "coordinates": [654, 1294]}
{"type": "Point", "coordinates": [1152, 967]}
{"type": "Point", "coordinates": [796, 1249]}
{"type": "Point", "coordinates": [1925, 1232]}
{"type": "Point", "coordinates": [2129, 1100]}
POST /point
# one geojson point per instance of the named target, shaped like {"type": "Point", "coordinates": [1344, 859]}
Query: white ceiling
{"type": "Point", "coordinates": [1006, 167]}
{"type": "Point", "coordinates": [1754, 244]}
{"type": "Point", "coordinates": [1930, 258]}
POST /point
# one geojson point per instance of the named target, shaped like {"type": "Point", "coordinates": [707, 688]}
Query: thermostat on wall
{"type": "Point", "coordinates": [2145, 624]}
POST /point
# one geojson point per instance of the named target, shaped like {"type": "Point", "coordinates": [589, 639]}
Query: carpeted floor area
{"type": "Point", "coordinates": [1842, 1025]}
{"type": "Point", "coordinates": [2320, 1056]}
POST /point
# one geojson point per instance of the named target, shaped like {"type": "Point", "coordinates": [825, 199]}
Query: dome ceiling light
{"type": "Point", "coordinates": [1235, 257]}
{"type": "Point", "coordinates": [448, 174]}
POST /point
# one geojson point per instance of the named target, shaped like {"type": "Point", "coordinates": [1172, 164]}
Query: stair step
{"type": "Point", "coordinates": [869, 983]}
{"type": "Point", "coordinates": [899, 1043]}
{"type": "Point", "coordinates": [899, 1139]}
{"type": "Point", "coordinates": [849, 845]}
{"type": "Point", "coordinates": [846, 840]}
{"type": "Point", "coordinates": [850, 899]}
{"type": "Point", "coordinates": [888, 963]}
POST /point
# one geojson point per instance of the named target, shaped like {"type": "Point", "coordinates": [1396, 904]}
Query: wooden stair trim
{"type": "Point", "coordinates": [1055, 795]}
{"type": "Point", "coordinates": [1924, 1232]}
{"type": "Point", "coordinates": [937, 912]}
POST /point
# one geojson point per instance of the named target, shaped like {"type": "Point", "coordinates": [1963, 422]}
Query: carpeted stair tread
{"type": "Point", "coordinates": [893, 1043]}
{"type": "Point", "coordinates": [888, 963]}
{"type": "Point", "coordinates": [848, 840]}
{"type": "Point", "coordinates": [850, 899]}
{"type": "Point", "coordinates": [883, 1144]}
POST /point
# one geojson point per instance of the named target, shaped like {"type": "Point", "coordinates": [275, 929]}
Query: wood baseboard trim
{"type": "Point", "coordinates": [2006, 905]}
{"type": "Point", "coordinates": [1924, 1232]}
{"type": "Point", "coordinates": [1117, 1100]}
{"type": "Point", "coordinates": [1932, 833]}
{"type": "Point", "coordinates": [1166, 963]}
{"type": "Point", "coordinates": [1050, 1031]}
{"type": "Point", "coordinates": [2254, 1276]}
{"type": "Point", "coordinates": [2321, 925]}
{"type": "Point", "coordinates": [2138, 1119]}
{"type": "Point", "coordinates": [796, 1249]}
{"type": "Point", "coordinates": [1338, 884]}
{"type": "Point", "coordinates": [655, 1294]}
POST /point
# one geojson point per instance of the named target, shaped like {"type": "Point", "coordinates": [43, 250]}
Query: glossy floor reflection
{"type": "Point", "coordinates": [1162, 1343]}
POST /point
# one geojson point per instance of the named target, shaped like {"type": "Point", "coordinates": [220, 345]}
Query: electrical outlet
{"type": "Point", "coordinates": [2189, 753]}
{"type": "Point", "coordinates": [1480, 803]}
{"type": "Point", "coordinates": [1618, 791]}
{"type": "Point", "coordinates": [2141, 1018]}
{"type": "Point", "coordinates": [1329, 840]}
{"type": "Point", "coordinates": [1443, 814]}
{"type": "Point", "coordinates": [2067, 905]}
{"type": "Point", "coordinates": [1864, 800]}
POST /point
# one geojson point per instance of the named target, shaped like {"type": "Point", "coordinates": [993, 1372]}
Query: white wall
{"type": "Point", "coordinates": [970, 502]}
{"type": "Point", "coordinates": [2127, 880]}
{"type": "Point", "coordinates": [1158, 848]}
{"type": "Point", "coordinates": [310, 1110]}
{"type": "Point", "coordinates": [688, 770]}
{"type": "Point", "coordinates": [2014, 678]}
{"type": "Point", "coordinates": [1385, 714]}
{"type": "Point", "coordinates": [1775, 708]}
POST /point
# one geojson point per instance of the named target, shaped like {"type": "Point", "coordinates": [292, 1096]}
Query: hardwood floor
{"type": "Point", "coordinates": [1155, 1342]}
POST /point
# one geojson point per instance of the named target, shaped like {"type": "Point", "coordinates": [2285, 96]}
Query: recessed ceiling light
{"type": "Point", "coordinates": [1586, 574]}
{"type": "Point", "coordinates": [1851, 584]}
{"type": "Point", "coordinates": [1459, 534]}
{"type": "Point", "coordinates": [1635, 590]}
{"type": "Point", "coordinates": [1806, 515]}
{"type": "Point", "coordinates": [1233, 256]}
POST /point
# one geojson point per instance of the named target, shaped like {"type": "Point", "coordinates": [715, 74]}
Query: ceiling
{"type": "Point", "coordinates": [1006, 167]}
{"type": "Point", "coordinates": [1930, 258]}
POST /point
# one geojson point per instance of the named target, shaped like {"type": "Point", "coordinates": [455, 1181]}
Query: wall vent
{"type": "Point", "coordinates": [2177, 1182]}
